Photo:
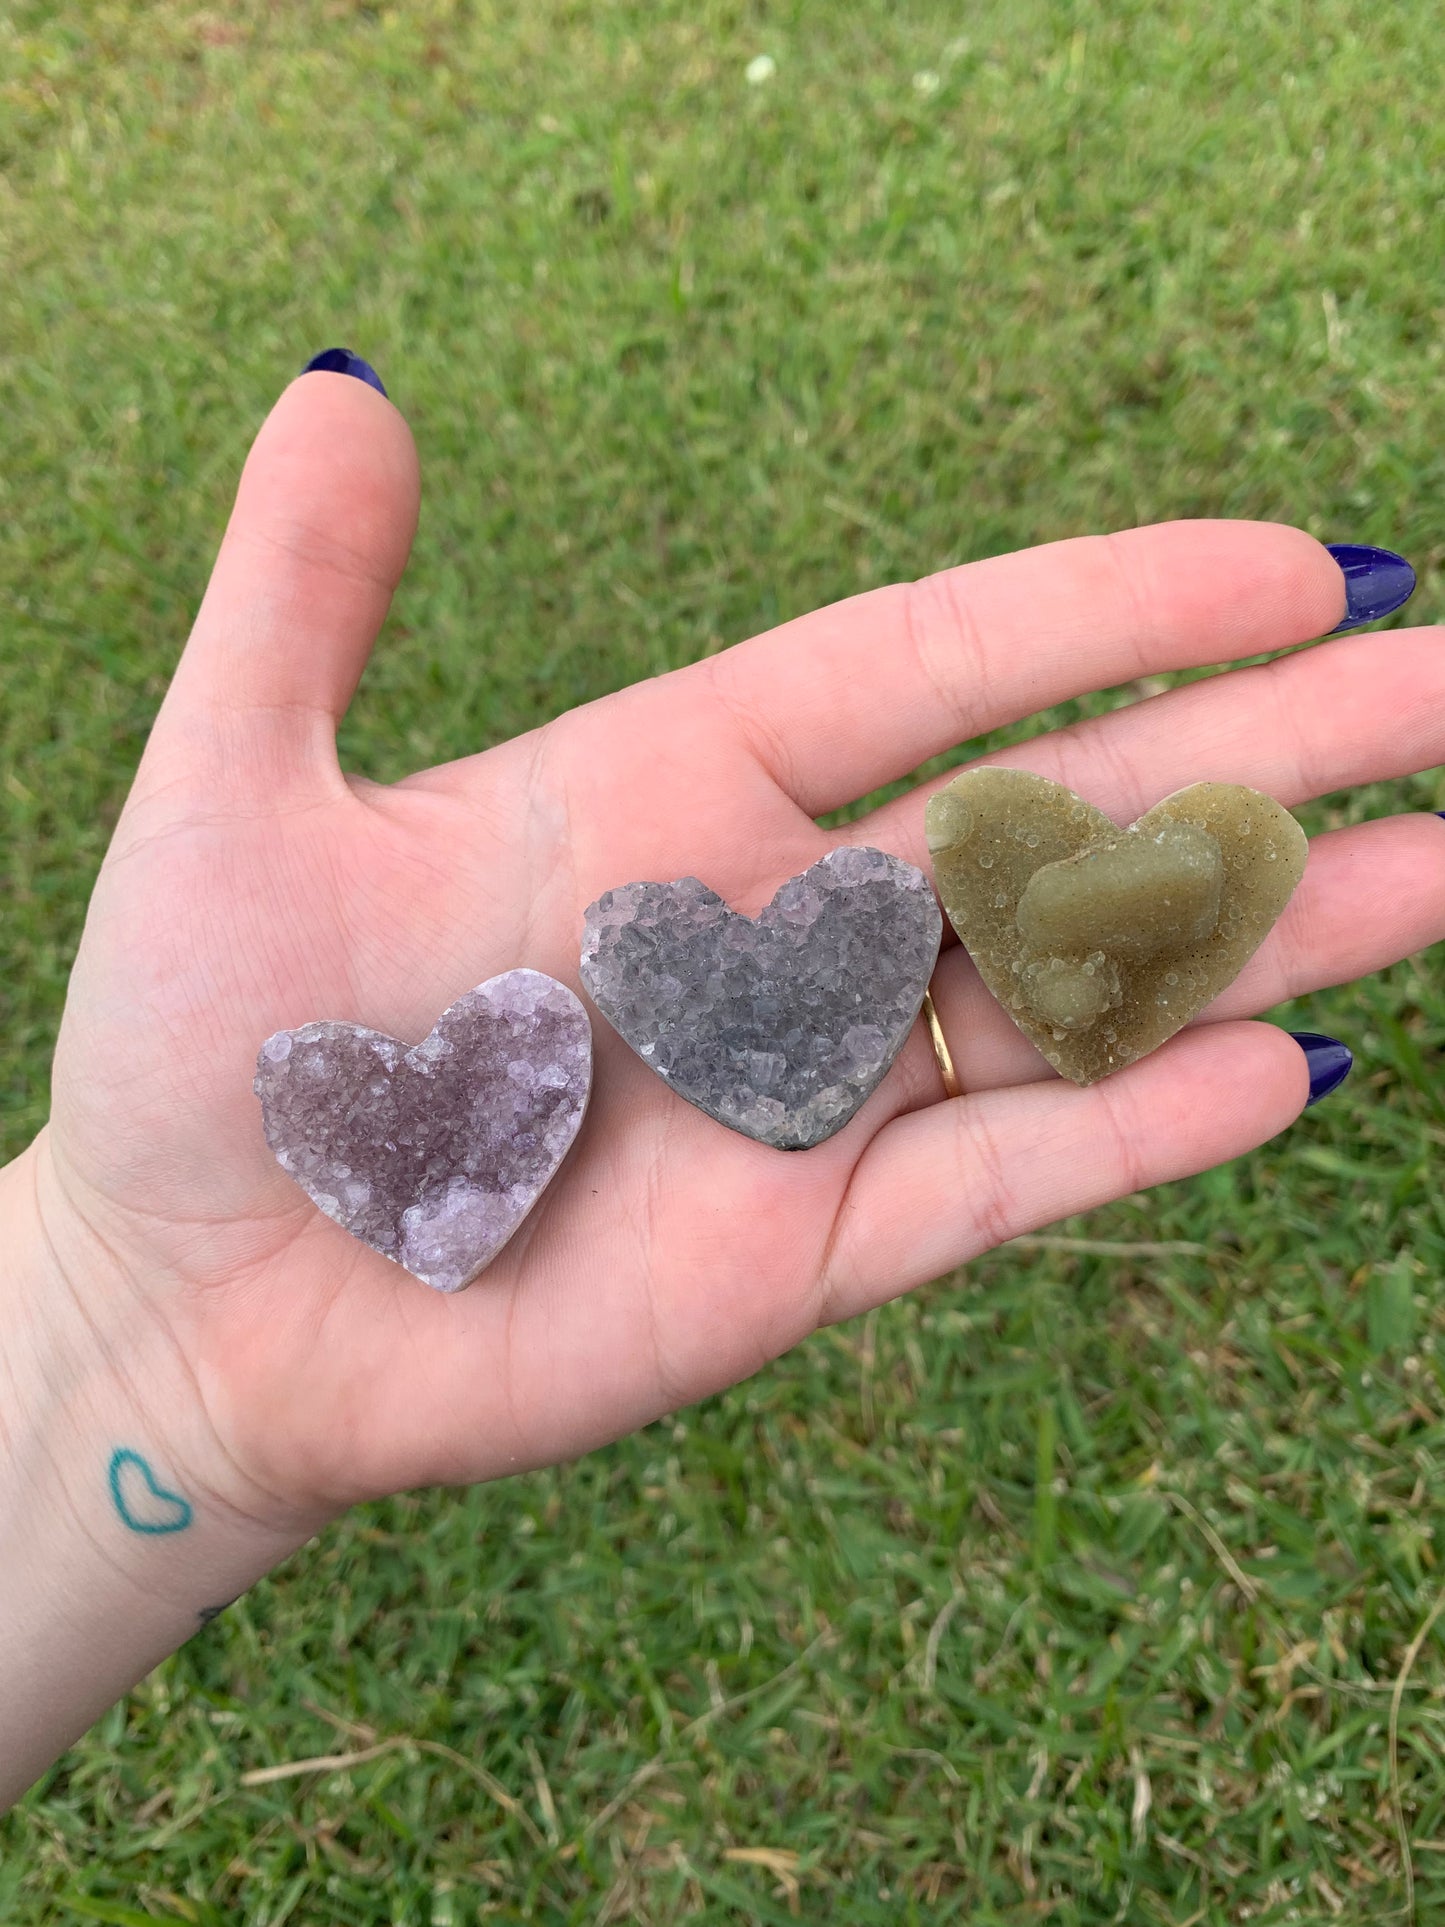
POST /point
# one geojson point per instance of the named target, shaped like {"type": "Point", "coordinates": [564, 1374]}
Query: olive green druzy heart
{"type": "Point", "coordinates": [1100, 943]}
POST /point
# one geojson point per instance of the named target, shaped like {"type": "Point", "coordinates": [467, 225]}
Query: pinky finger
{"type": "Point", "coordinates": [938, 1186]}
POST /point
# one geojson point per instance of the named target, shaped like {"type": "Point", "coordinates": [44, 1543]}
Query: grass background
{"type": "Point", "coordinates": [1072, 1589]}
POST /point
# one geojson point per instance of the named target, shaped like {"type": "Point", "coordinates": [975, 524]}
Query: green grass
{"type": "Point", "coordinates": [1072, 1589]}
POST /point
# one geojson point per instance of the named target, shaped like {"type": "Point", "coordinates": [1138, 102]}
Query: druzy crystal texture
{"type": "Point", "coordinates": [1102, 942]}
{"type": "Point", "coordinates": [434, 1153]}
{"type": "Point", "coordinates": [779, 1025]}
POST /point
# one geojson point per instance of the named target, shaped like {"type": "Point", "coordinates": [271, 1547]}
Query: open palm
{"type": "Point", "coordinates": [252, 886]}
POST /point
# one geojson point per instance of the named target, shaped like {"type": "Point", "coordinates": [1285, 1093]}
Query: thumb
{"type": "Point", "coordinates": [319, 535]}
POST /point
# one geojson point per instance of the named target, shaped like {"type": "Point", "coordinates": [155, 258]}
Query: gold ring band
{"type": "Point", "coordinates": [940, 1049]}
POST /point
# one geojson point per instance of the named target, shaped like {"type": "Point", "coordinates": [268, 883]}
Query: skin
{"type": "Point", "coordinates": [169, 1291]}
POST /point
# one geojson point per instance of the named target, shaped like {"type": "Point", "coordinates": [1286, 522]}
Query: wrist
{"type": "Point", "coordinates": [124, 1525]}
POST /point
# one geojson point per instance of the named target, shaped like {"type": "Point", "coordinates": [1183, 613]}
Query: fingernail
{"type": "Point", "coordinates": [1329, 1061]}
{"type": "Point", "coordinates": [341, 361]}
{"type": "Point", "coordinates": [1377, 581]}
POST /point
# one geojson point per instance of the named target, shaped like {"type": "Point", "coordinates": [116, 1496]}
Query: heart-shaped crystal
{"type": "Point", "coordinates": [1099, 942]}
{"type": "Point", "coordinates": [433, 1154]}
{"type": "Point", "coordinates": [779, 1025]}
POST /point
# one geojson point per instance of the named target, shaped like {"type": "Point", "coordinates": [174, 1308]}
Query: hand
{"type": "Point", "coordinates": [175, 1304]}
{"type": "Point", "coordinates": [251, 885]}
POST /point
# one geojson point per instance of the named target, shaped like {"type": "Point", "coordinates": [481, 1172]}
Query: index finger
{"type": "Point", "coordinates": [837, 703]}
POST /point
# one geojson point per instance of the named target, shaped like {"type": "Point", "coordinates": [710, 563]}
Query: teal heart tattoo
{"type": "Point", "coordinates": [143, 1503]}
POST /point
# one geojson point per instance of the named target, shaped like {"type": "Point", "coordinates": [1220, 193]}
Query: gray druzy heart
{"type": "Point", "coordinates": [779, 1026]}
{"type": "Point", "coordinates": [433, 1155]}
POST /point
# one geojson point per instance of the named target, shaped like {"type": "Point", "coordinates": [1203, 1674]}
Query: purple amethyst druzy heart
{"type": "Point", "coordinates": [433, 1154]}
{"type": "Point", "coordinates": [779, 1025]}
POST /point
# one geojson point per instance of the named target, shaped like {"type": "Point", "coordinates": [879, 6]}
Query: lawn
{"type": "Point", "coordinates": [1089, 1585]}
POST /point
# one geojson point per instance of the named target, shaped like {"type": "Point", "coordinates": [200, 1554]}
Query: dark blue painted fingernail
{"type": "Point", "coordinates": [1329, 1061]}
{"type": "Point", "coordinates": [341, 361]}
{"type": "Point", "coordinates": [1376, 582]}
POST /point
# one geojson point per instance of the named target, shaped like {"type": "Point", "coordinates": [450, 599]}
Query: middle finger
{"type": "Point", "coordinates": [1362, 709]}
{"type": "Point", "coordinates": [1356, 710]}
